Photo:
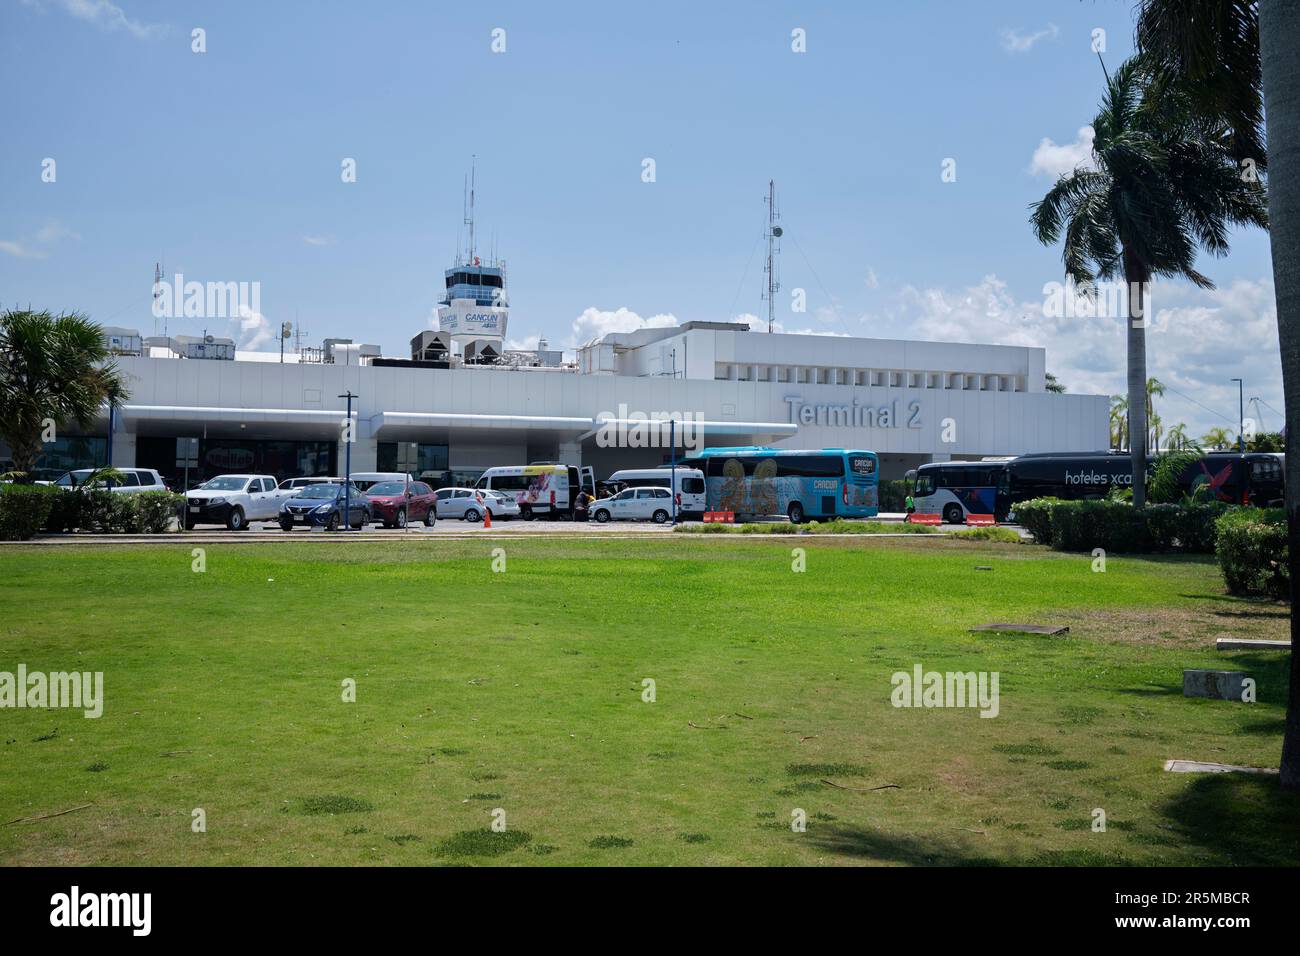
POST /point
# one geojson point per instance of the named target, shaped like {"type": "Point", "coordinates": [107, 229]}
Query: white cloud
{"type": "Point", "coordinates": [254, 332]}
{"type": "Point", "coordinates": [37, 246]}
{"type": "Point", "coordinates": [871, 280]}
{"type": "Point", "coordinates": [1013, 41]}
{"type": "Point", "coordinates": [20, 250]}
{"type": "Point", "coordinates": [1197, 341]}
{"type": "Point", "coordinates": [103, 14]}
{"type": "Point", "coordinates": [593, 323]}
{"type": "Point", "coordinates": [318, 240]}
{"type": "Point", "coordinates": [1054, 160]}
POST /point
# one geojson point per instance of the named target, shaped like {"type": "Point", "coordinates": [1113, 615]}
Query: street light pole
{"type": "Point", "coordinates": [347, 454]}
{"type": "Point", "coordinates": [672, 481]}
{"type": "Point", "coordinates": [1241, 416]}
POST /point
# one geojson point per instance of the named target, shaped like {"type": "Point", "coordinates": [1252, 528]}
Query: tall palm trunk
{"type": "Point", "coordinates": [1136, 275]}
{"type": "Point", "coordinates": [1279, 25]}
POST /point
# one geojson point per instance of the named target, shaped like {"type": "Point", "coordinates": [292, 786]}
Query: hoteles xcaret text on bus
{"type": "Point", "coordinates": [855, 415]}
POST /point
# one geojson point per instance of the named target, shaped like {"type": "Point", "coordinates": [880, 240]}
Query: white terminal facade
{"type": "Point", "coordinates": [910, 402]}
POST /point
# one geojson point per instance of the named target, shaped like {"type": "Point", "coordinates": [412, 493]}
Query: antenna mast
{"type": "Point", "coordinates": [774, 232]}
{"type": "Point", "coordinates": [469, 217]}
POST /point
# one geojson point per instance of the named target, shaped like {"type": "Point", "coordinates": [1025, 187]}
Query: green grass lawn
{"type": "Point", "coordinates": [523, 691]}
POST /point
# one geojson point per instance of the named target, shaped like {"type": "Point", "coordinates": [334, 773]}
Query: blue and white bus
{"type": "Point", "coordinates": [955, 489]}
{"type": "Point", "coordinates": [816, 483]}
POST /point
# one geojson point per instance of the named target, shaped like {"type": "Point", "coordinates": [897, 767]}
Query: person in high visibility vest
{"type": "Point", "coordinates": [909, 504]}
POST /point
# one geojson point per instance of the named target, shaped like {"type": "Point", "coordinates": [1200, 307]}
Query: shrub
{"type": "Point", "coordinates": [1252, 550]}
{"type": "Point", "coordinates": [893, 494]}
{"type": "Point", "coordinates": [1036, 518]}
{"type": "Point", "coordinates": [1166, 485]}
{"type": "Point", "coordinates": [103, 512]}
{"type": "Point", "coordinates": [1119, 527]}
{"type": "Point", "coordinates": [24, 510]}
{"type": "Point", "coordinates": [66, 510]}
{"type": "Point", "coordinates": [156, 509]}
{"type": "Point", "coordinates": [1004, 535]}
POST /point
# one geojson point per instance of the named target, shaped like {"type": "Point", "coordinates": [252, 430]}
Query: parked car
{"type": "Point", "coordinates": [131, 480]}
{"type": "Point", "coordinates": [468, 504]}
{"type": "Point", "coordinates": [322, 506]}
{"type": "Point", "coordinates": [290, 487]}
{"type": "Point", "coordinates": [232, 500]}
{"type": "Point", "coordinates": [635, 504]}
{"type": "Point", "coordinates": [364, 479]}
{"type": "Point", "coordinates": [501, 505]}
{"type": "Point", "coordinates": [397, 502]}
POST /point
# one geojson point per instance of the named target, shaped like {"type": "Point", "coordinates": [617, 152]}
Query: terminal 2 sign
{"type": "Point", "coordinates": [855, 415]}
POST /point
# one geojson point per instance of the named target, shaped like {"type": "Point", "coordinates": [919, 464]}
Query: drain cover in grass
{"type": "Point", "coordinates": [1199, 766]}
{"type": "Point", "coordinates": [1023, 628]}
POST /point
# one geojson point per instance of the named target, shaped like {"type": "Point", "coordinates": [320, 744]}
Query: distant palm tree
{"type": "Point", "coordinates": [1165, 184]}
{"type": "Point", "coordinates": [1154, 388]}
{"type": "Point", "coordinates": [53, 368]}
{"type": "Point", "coordinates": [1239, 59]}
{"type": "Point", "coordinates": [1118, 422]}
{"type": "Point", "coordinates": [1218, 439]}
{"type": "Point", "coordinates": [1053, 386]}
{"type": "Point", "coordinates": [1177, 439]}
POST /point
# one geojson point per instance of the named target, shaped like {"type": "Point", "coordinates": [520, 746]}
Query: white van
{"type": "Point", "coordinates": [541, 489]}
{"type": "Point", "coordinates": [689, 488]}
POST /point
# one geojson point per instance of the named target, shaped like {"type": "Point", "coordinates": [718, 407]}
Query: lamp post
{"type": "Point", "coordinates": [672, 481]}
{"type": "Point", "coordinates": [1241, 415]}
{"type": "Point", "coordinates": [347, 455]}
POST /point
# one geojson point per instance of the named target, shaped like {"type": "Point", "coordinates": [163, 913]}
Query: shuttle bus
{"type": "Point", "coordinates": [541, 489]}
{"type": "Point", "coordinates": [955, 489]}
{"type": "Point", "coordinates": [816, 483]}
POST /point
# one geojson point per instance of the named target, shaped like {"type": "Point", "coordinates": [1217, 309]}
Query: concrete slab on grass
{"type": "Point", "coordinates": [1050, 629]}
{"type": "Point", "coordinates": [1216, 685]}
{"type": "Point", "coordinates": [1200, 766]}
{"type": "Point", "coordinates": [1245, 644]}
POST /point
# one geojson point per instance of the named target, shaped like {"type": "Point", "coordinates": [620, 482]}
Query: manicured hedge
{"type": "Point", "coordinates": [23, 510]}
{"type": "Point", "coordinates": [1253, 553]}
{"type": "Point", "coordinates": [106, 512]}
{"type": "Point", "coordinates": [893, 494]}
{"type": "Point", "coordinates": [1118, 527]}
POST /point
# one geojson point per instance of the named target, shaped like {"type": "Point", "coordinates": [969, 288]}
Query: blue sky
{"type": "Point", "coordinates": [226, 165]}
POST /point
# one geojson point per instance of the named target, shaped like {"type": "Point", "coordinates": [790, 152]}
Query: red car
{"type": "Point", "coordinates": [397, 502]}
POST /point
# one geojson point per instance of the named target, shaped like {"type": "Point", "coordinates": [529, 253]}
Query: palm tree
{"type": "Point", "coordinates": [1118, 422]}
{"type": "Point", "coordinates": [55, 368]}
{"type": "Point", "coordinates": [1218, 438]}
{"type": "Point", "coordinates": [1240, 56]}
{"type": "Point", "coordinates": [1154, 388]}
{"type": "Point", "coordinates": [1053, 386]}
{"type": "Point", "coordinates": [1165, 184]}
{"type": "Point", "coordinates": [1177, 439]}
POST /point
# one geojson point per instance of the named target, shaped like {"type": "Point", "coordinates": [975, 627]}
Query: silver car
{"type": "Point", "coordinates": [501, 505]}
{"type": "Point", "coordinates": [467, 504]}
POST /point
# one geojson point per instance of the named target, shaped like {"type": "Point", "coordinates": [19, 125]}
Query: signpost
{"type": "Point", "coordinates": [408, 457]}
{"type": "Point", "coordinates": [187, 457]}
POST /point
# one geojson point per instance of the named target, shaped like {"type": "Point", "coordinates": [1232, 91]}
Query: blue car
{"type": "Point", "coordinates": [322, 506]}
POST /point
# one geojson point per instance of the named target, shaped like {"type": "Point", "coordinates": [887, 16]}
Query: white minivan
{"type": "Point", "coordinates": [545, 488]}
{"type": "Point", "coordinates": [689, 488]}
{"type": "Point", "coordinates": [634, 504]}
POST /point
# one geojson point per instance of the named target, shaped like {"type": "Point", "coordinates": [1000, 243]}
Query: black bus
{"type": "Point", "coordinates": [1252, 478]}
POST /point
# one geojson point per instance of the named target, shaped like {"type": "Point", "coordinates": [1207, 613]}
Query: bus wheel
{"type": "Point", "coordinates": [795, 511]}
{"type": "Point", "coordinates": [952, 514]}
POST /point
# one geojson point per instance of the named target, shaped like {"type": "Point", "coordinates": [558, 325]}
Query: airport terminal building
{"type": "Point", "coordinates": [456, 412]}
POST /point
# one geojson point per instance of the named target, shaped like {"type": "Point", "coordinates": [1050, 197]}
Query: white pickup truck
{"type": "Point", "coordinates": [232, 500]}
